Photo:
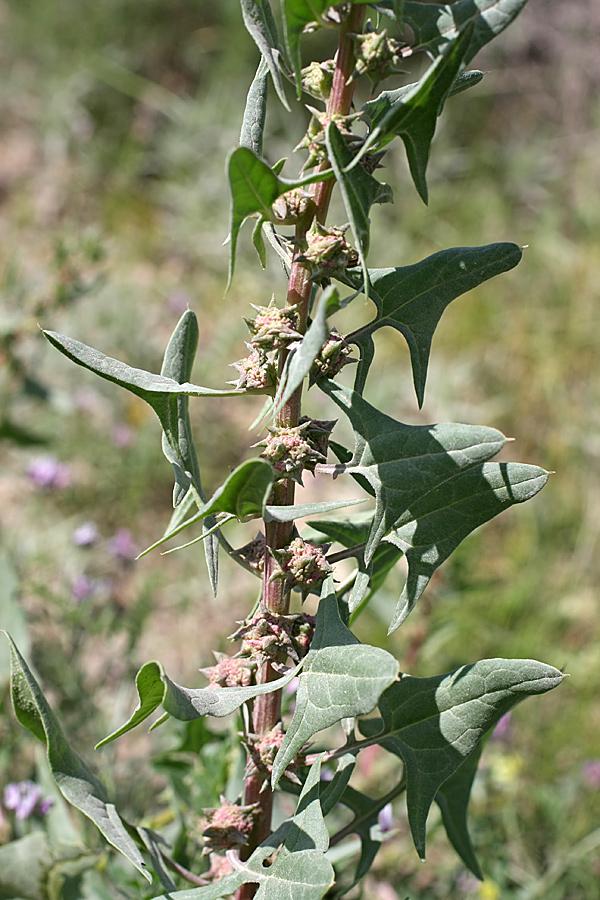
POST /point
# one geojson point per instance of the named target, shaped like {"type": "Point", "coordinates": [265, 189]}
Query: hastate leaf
{"type": "Point", "coordinates": [412, 299]}
{"type": "Point", "coordinates": [437, 24]}
{"type": "Point", "coordinates": [453, 801]}
{"type": "Point", "coordinates": [341, 678]}
{"type": "Point", "coordinates": [433, 486]}
{"type": "Point", "coordinates": [414, 117]}
{"type": "Point", "coordinates": [434, 724]}
{"type": "Point", "coordinates": [75, 780]}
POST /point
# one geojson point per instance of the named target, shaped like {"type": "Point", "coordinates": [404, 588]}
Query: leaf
{"type": "Point", "coordinates": [156, 689]}
{"type": "Point", "coordinates": [13, 615]}
{"type": "Point", "coordinates": [365, 826]}
{"type": "Point", "coordinates": [245, 492]}
{"type": "Point", "coordinates": [433, 724]}
{"type": "Point", "coordinates": [302, 357]}
{"type": "Point", "coordinates": [453, 801]}
{"type": "Point", "coordinates": [341, 678]}
{"type": "Point", "coordinates": [75, 780]}
{"type": "Point", "coordinates": [254, 187]}
{"type": "Point", "coordinates": [412, 299]}
{"type": "Point", "coordinates": [359, 191]}
{"type": "Point", "coordinates": [24, 865]}
{"type": "Point", "coordinates": [260, 22]}
{"type": "Point", "coordinates": [414, 118]}
{"type": "Point", "coordinates": [290, 513]}
{"type": "Point", "coordinates": [432, 486]}
{"type": "Point", "coordinates": [296, 15]}
{"type": "Point", "coordinates": [255, 112]}
{"type": "Point", "coordinates": [381, 105]}
{"type": "Point", "coordinates": [436, 24]}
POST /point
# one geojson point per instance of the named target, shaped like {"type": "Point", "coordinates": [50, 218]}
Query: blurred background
{"type": "Point", "coordinates": [115, 122]}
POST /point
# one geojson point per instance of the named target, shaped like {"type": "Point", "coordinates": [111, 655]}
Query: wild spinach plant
{"type": "Point", "coordinates": [424, 488]}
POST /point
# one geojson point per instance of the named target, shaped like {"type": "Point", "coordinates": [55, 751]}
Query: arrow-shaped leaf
{"type": "Point", "coordinates": [433, 724]}
{"type": "Point", "coordinates": [413, 298]}
{"type": "Point", "coordinates": [260, 22]}
{"type": "Point", "coordinates": [156, 689]}
{"type": "Point", "coordinates": [453, 801]}
{"type": "Point", "coordinates": [414, 118]}
{"type": "Point", "coordinates": [436, 24]}
{"type": "Point", "coordinates": [75, 780]}
{"type": "Point", "coordinates": [341, 678]}
{"type": "Point", "coordinates": [433, 486]}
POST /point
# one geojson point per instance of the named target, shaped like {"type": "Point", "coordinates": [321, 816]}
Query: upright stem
{"type": "Point", "coordinates": [267, 708]}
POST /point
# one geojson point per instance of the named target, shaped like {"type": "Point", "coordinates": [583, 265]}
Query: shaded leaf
{"type": "Point", "coordinates": [414, 117]}
{"type": "Point", "coordinates": [260, 22]}
{"type": "Point", "coordinates": [432, 486]}
{"type": "Point", "coordinates": [453, 801]}
{"type": "Point", "coordinates": [245, 492]}
{"type": "Point", "coordinates": [296, 14]}
{"type": "Point", "coordinates": [434, 724]}
{"type": "Point", "coordinates": [156, 689]}
{"type": "Point", "coordinates": [436, 24]}
{"type": "Point", "coordinates": [75, 780]}
{"type": "Point", "coordinates": [412, 299]}
{"type": "Point", "coordinates": [341, 678]}
{"type": "Point", "coordinates": [359, 191]}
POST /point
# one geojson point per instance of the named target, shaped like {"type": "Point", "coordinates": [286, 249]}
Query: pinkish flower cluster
{"type": "Point", "coordinates": [328, 252]}
{"type": "Point", "coordinates": [332, 357]}
{"type": "Point", "coordinates": [253, 554]}
{"type": "Point", "coordinates": [269, 637]}
{"type": "Point", "coordinates": [47, 473]}
{"type": "Point", "coordinates": [314, 139]}
{"type": "Point", "coordinates": [273, 328]}
{"type": "Point", "coordinates": [303, 565]}
{"type": "Point", "coordinates": [293, 206]}
{"type": "Point", "coordinates": [228, 826]}
{"type": "Point", "coordinates": [377, 55]}
{"type": "Point", "coordinates": [257, 372]}
{"type": "Point", "coordinates": [229, 672]}
{"type": "Point", "coordinates": [292, 450]}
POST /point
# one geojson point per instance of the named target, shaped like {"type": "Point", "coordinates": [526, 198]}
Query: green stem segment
{"type": "Point", "coordinates": [267, 708]}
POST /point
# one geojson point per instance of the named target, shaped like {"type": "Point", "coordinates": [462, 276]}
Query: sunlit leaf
{"type": "Point", "coordinates": [386, 101]}
{"type": "Point", "coordinates": [412, 299]}
{"type": "Point", "coordinates": [341, 678]}
{"type": "Point", "coordinates": [291, 513]}
{"type": "Point", "coordinates": [296, 15]}
{"type": "Point", "coordinates": [433, 724]}
{"type": "Point", "coordinates": [75, 780]}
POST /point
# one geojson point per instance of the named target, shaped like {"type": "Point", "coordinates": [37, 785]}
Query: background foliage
{"type": "Point", "coordinates": [116, 120]}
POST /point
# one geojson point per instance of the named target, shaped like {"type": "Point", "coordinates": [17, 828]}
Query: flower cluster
{"type": "Point", "coordinates": [292, 450]}
{"type": "Point", "coordinates": [252, 554]}
{"type": "Point", "coordinates": [229, 672]}
{"type": "Point", "coordinates": [292, 207]}
{"type": "Point", "coordinates": [377, 55]}
{"type": "Point", "coordinates": [273, 328]}
{"type": "Point", "coordinates": [261, 756]}
{"type": "Point", "coordinates": [303, 565]}
{"type": "Point", "coordinates": [26, 799]}
{"type": "Point", "coordinates": [317, 79]}
{"type": "Point", "coordinates": [257, 372]}
{"type": "Point", "coordinates": [314, 139]}
{"type": "Point", "coordinates": [270, 637]}
{"type": "Point", "coordinates": [228, 826]}
{"type": "Point", "coordinates": [327, 251]}
{"type": "Point", "coordinates": [332, 357]}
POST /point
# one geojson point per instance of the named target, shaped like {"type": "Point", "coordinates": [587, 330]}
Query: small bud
{"type": "Point", "coordinates": [292, 450]}
{"type": "Point", "coordinates": [303, 565]}
{"type": "Point", "coordinates": [228, 826]}
{"type": "Point", "coordinates": [253, 554]}
{"type": "Point", "coordinates": [273, 328]}
{"type": "Point", "coordinates": [256, 372]}
{"type": "Point", "coordinates": [314, 139]}
{"type": "Point", "coordinates": [328, 252]}
{"type": "Point", "coordinates": [270, 637]}
{"type": "Point", "coordinates": [377, 55]}
{"type": "Point", "coordinates": [317, 79]}
{"type": "Point", "coordinates": [293, 206]}
{"type": "Point", "coordinates": [332, 357]}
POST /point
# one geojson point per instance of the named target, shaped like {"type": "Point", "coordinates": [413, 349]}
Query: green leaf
{"type": "Point", "coordinates": [13, 615]}
{"type": "Point", "coordinates": [255, 112]}
{"type": "Point", "coordinates": [156, 689]}
{"type": "Point", "coordinates": [432, 486]}
{"type": "Point", "coordinates": [290, 513]}
{"type": "Point", "coordinates": [436, 24]}
{"type": "Point", "coordinates": [260, 22]}
{"type": "Point", "coordinates": [453, 801]}
{"type": "Point", "coordinates": [296, 15]}
{"type": "Point", "coordinates": [412, 299]}
{"type": "Point", "coordinates": [254, 187]}
{"type": "Point", "coordinates": [365, 825]}
{"type": "Point", "coordinates": [24, 866]}
{"type": "Point", "coordinates": [75, 780]}
{"type": "Point", "coordinates": [386, 101]}
{"type": "Point", "coordinates": [433, 724]}
{"type": "Point", "coordinates": [414, 117]}
{"type": "Point", "coordinates": [359, 191]}
{"type": "Point", "coordinates": [245, 492]}
{"type": "Point", "coordinates": [341, 678]}
{"type": "Point", "coordinates": [301, 359]}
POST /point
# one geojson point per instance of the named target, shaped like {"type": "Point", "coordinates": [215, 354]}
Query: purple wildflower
{"type": "Point", "coordinates": [123, 546]}
{"type": "Point", "coordinates": [385, 819]}
{"type": "Point", "coordinates": [502, 730]}
{"type": "Point", "coordinates": [48, 473]}
{"type": "Point", "coordinates": [26, 799]}
{"type": "Point", "coordinates": [83, 587]}
{"type": "Point", "coordinates": [123, 436]}
{"type": "Point", "coordinates": [85, 535]}
{"type": "Point", "coordinates": [591, 773]}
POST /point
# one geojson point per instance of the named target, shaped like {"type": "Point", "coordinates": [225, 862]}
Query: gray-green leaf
{"type": "Point", "coordinates": [75, 780]}
{"type": "Point", "coordinates": [413, 298]}
{"type": "Point", "coordinates": [341, 678]}
{"type": "Point", "coordinates": [433, 724]}
{"type": "Point", "coordinates": [381, 105]}
{"type": "Point", "coordinates": [260, 22]}
{"type": "Point", "coordinates": [453, 801]}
